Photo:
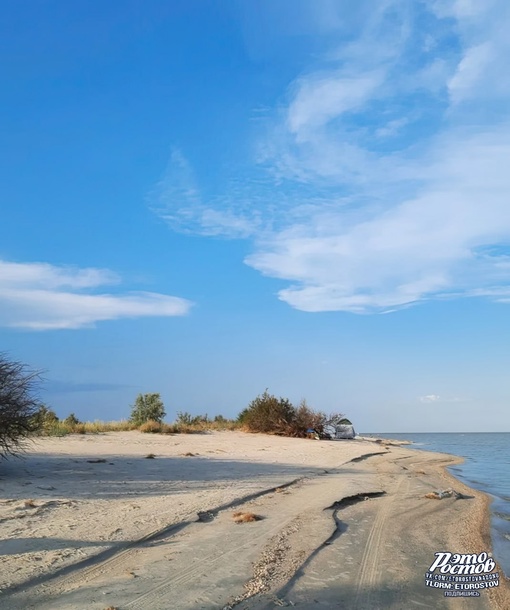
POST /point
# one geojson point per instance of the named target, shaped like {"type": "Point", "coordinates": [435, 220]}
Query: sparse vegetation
{"type": "Point", "coordinates": [62, 427]}
{"type": "Point", "coordinates": [18, 405]}
{"type": "Point", "coordinates": [186, 419]}
{"type": "Point", "coordinates": [266, 413]}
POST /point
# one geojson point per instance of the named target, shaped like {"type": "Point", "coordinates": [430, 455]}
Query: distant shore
{"type": "Point", "coordinates": [132, 520]}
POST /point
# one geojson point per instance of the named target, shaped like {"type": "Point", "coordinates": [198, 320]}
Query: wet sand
{"type": "Point", "coordinates": [95, 522]}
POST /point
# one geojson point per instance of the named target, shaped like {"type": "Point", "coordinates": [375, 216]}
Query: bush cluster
{"type": "Point", "coordinates": [272, 415]}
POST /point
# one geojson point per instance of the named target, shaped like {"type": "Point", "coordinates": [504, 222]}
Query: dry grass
{"type": "Point", "coordinates": [240, 517]}
{"type": "Point", "coordinates": [151, 426]}
{"type": "Point", "coordinates": [63, 428]}
{"type": "Point", "coordinates": [60, 428]}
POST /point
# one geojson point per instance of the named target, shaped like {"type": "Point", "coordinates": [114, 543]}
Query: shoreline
{"type": "Point", "coordinates": [478, 528]}
{"type": "Point", "coordinates": [478, 531]}
{"type": "Point", "coordinates": [462, 475]}
{"type": "Point", "coordinates": [88, 522]}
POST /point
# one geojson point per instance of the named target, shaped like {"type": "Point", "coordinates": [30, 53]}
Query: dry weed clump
{"type": "Point", "coordinates": [240, 517]}
{"type": "Point", "coordinates": [150, 426]}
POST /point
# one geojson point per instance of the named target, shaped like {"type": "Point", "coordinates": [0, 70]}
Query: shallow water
{"type": "Point", "coordinates": [486, 467]}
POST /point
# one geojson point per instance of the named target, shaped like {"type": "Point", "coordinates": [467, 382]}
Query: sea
{"type": "Point", "coordinates": [486, 467]}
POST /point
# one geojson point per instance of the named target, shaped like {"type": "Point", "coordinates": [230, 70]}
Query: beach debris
{"type": "Point", "coordinates": [445, 493]}
{"type": "Point", "coordinates": [150, 456]}
{"type": "Point", "coordinates": [189, 454]}
{"type": "Point", "coordinates": [205, 516]}
{"type": "Point", "coordinates": [240, 517]}
{"type": "Point", "coordinates": [98, 461]}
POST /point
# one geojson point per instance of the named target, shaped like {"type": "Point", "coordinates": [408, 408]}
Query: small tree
{"type": "Point", "coordinates": [18, 405]}
{"type": "Point", "coordinates": [147, 407]}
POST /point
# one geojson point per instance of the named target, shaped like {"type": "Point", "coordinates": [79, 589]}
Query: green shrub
{"type": "Point", "coordinates": [186, 419]}
{"type": "Point", "coordinates": [266, 413]}
{"type": "Point", "coordinates": [45, 419]}
{"type": "Point", "coordinates": [147, 407]}
{"type": "Point", "coordinates": [71, 420]}
{"type": "Point", "coordinates": [273, 415]}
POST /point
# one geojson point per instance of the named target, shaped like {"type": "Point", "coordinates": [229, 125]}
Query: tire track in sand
{"type": "Point", "coordinates": [114, 559]}
{"type": "Point", "coordinates": [371, 560]}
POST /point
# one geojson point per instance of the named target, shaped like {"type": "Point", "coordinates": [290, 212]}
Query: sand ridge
{"type": "Point", "coordinates": [90, 522]}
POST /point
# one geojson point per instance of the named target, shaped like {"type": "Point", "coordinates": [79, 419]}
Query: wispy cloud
{"type": "Point", "coordinates": [178, 201]}
{"type": "Point", "coordinates": [388, 163]}
{"type": "Point", "coordinates": [40, 296]}
{"type": "Point", "coordinates": [435, 398]}
{"type": "Point", "coordinates": [430, 398]}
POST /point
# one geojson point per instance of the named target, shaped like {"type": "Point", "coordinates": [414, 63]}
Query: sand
{"type": "Point", "coordinates": [95, 522]}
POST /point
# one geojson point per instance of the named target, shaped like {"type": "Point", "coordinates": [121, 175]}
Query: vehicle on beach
{"type": "Point", "coordinates": [334, 431]}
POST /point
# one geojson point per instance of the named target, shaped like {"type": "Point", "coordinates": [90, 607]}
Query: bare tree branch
{"type": "Point", "coordinates": [18, 405]}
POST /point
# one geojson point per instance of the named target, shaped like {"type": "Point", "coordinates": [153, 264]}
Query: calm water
{"type": "Point", "coordinates": [486, 467]}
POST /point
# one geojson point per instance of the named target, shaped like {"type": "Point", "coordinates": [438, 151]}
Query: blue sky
{"type": "Point", "coordinates": [210, 198]}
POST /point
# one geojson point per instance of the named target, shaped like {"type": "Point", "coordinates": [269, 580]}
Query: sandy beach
{"type": "Point", "coordinates": [128, 520]}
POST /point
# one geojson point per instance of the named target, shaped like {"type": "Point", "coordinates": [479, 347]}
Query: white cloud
{"type": "Point", "coordinates": [321, 98]}
{"type": "Point", "coordinates": [39, 296]}
{"type": "Point", "coordinates": [430, 398]}
{"type": "Point", "coordinates": [428, 220]}
{"type": "Point", "coordinates": [390, 166]}
{"type": "Point", "coordinates": [435, 398]}
{"type": "Point", "coordinates": [470, 71]}
{"type": "Point", "coordinates": [422, 247]}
